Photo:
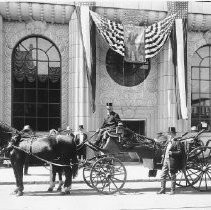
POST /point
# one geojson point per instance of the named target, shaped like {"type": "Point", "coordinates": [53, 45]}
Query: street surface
{"type": "Point", "coordinates": [138, 194]}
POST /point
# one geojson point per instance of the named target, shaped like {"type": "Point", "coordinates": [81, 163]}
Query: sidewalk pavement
{"type": "Point", "coordinates": [40, 175]}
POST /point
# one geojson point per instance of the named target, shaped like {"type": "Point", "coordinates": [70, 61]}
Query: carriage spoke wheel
{"type": "Point", "coordinates": [108, 175]}
{"type": "Point", "coordinates": [181, 180]}
{"type": "Point", "coordinates": [198, 168]}
{"type": "Point", "coordinates": [86, 175]}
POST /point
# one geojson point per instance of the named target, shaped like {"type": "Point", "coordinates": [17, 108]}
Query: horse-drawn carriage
{"type": "Point", "coordinates": [107, 174]}
{"type": "Point", "coordinates": [104, 172]}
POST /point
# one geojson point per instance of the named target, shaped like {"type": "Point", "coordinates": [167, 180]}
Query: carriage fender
{"type": "Point", "coordinates": [148, 163]}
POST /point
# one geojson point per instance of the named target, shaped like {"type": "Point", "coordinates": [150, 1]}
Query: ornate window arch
{"type": "Point", "coordinates": [201, 86]}
{"type": "Point", "coordinates": [36, 84]}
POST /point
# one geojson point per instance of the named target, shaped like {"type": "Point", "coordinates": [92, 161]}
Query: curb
{"type": "Point", "coordinates": [78, 182]}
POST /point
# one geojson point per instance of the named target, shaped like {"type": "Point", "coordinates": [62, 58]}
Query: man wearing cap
{"type": "Point", "coordinates": [80, 137]}
{"type": "Point", "coordinates": [173, 160]}
{"type": "Point", "coordinates": [27, 132]}
{"type": "Point", "coordinates": [110, 123]}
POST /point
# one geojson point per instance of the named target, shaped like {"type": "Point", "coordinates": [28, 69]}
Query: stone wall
{"type": "Point", "coordinates": [137, 102]}
{"type": "Point", "coordinates": [13, 32]}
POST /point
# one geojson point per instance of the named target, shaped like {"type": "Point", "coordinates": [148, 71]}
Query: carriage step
{"type": "Point", "coordinates": [152, 173]}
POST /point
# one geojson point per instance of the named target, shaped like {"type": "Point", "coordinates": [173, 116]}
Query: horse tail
{"type": "Point", "coordinates": [75, 165]}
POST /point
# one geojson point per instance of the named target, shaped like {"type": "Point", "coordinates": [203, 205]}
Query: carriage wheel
{"type": "Point", "coordinates": [181, 180]}
{"type": "Point", "coordinates": [198, 168]}
{"type": "Point", "coordinates": [86, 175]}
{"type": "Point", "coordinates": [108, 175]}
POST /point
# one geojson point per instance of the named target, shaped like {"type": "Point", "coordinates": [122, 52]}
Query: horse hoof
{"type": "Point", "coordinates": [65, 193]}
{"type": "Point", "coordinates": [19, 193]}
{"type": "Point", "coordinates": [59, 189]}
{"type": "Point", "coordinates": [50, 189]}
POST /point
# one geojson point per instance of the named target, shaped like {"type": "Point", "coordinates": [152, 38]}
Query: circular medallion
{"type": "Point", "coordinates": [125, 73]}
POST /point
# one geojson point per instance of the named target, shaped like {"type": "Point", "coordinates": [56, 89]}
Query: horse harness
{"type": "Point", "coordinates": [29, 152]}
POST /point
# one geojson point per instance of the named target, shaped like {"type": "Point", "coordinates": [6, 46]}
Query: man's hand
{"type": "Point", "coordinates": [170, 152]}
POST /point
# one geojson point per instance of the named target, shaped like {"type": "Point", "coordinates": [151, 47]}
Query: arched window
{"type": "Point", "coordinates": [36, 84]}
{"type": "Point", "coordinates": [201, 86]}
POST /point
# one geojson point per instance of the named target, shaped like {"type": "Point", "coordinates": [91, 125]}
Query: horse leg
{"type": "Point", "coordinates": [16, 176]}
{"type": "Point", "coordinates": [17, 165]}
{"type": "Point", "coordinates": [52, 177]}
{"type": "Point", "coordinates": [68, 181]}
{"type": "Point", "coordinates": [20, 178]}
{"type": "Point", "coordinates": [60, 171]}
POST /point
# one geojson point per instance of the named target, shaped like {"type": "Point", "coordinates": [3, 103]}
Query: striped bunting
{"type": "Point", "coordinates": [155, 35]}
{"type": "Point", "coordinates": [111, 31]}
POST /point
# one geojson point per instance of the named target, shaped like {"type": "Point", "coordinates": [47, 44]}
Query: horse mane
{"type": "Point", "coordinates": [6, 133]}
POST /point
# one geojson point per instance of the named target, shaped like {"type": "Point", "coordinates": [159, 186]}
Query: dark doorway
{"type": "Point", "coordinates": [138, 126]}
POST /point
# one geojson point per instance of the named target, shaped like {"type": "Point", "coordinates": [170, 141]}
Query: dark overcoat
{"type": "Point", "coordinates": [111, 121]}
{"type": "Point", "coordinates": [178, 158]}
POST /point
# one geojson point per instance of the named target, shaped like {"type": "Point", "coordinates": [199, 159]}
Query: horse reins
{"type": "Point", "coordinates": [46, 161]}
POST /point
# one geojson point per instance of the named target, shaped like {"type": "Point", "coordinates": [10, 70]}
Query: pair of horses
{"type": "Point", "coordinates": [53, 148]}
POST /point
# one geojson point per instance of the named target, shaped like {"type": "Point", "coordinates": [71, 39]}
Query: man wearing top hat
{"type": "Point", "coordinates": [173, 160]}
{"type": "Point", "coordinates": [69, 132]}
{"type": "Point", "coordinates": [110, 123]}
{"type": "Point", "coordinates": [27, 132]}
{"type": "Point", "coordinates": [80, 137]}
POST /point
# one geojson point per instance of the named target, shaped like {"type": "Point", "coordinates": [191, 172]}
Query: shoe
{"type": "Point", "coordinates": [162, 191]}
{"type": "Point", "coordinates": [172, 192]}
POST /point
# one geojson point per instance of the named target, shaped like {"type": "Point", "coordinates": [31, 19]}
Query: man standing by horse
{"type": "Point", "coordinates": [27, 132]}
{"type": "Point", "coordinates": [110, 123]}
{"type": "Point", "coordinates": [80, 138]}
{"type": "Point", "coordinates": [173, 160]}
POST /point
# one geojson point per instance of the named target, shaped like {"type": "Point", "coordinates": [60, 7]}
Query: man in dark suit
{"type": "Point", "coordinates": [69, 132]}
{"type": "Point", "coordinates": [173, 160]}
{"type": "Point", "coordinates": [110, 123]}
{"type": "Point", "coordinates": [80, 137]}
{"type": "Point", "coordinates": [27, 132]}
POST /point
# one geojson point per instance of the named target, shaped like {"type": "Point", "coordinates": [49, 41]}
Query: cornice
{"type": "Point", "coordinates": [144, 12]}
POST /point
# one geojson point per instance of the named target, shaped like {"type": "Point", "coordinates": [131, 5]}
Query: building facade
{"type": "Point", "coordinates": [43, 81]}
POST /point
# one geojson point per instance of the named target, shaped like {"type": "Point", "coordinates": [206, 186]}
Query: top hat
{"type": "Point", "coordinates": [108, 104]}
{"type": "Point", "coordinates": [81, 126]}
{"type": "Point", "coordinates": [172, 130]}
{"type": "Point", "coordinates": [120, 123]}
{"type": "Point", "coordinates": [26, 128]}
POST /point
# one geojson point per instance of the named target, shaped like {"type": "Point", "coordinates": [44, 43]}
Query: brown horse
{"type": "Point", "coordinates": [59, 149]}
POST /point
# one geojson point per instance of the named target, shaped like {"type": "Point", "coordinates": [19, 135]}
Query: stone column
{"type": "Point", "coordinates": [167, 107]}
{"type": "Point", "coordinates": [1, 69]}
{"type": "Point", "coordinates": [167, 116]}
{"type": "Point", "coordinates": [79, 106]}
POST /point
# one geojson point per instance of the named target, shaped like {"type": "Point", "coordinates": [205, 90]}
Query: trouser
{"type": "Point", "coordinates": [165, 172]}
{"type": "Point", "coordinates": [103, 134]}
{"type": "Point", "coordinates": [26, 164]}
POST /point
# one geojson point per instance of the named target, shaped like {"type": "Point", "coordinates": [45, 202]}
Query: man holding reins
{"type": "Point", "coordinates": [110, 123]}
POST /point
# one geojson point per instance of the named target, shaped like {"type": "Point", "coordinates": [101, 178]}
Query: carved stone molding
{"type": "Point", "coordinates": [36, 27]}
{"type": "Point", "coordinates": [207, 36]}
{"type": "Point", "coordinates": [13, 33]}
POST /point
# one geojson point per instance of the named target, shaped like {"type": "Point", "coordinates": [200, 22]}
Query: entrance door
{"type": "Point", "coordinates": [138, 126]}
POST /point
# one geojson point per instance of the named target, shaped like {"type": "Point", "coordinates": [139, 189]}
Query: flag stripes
{"type": "Point", "coordinates": [155, 35]}
{"type": "Point", "coordinates": [111, 31]}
